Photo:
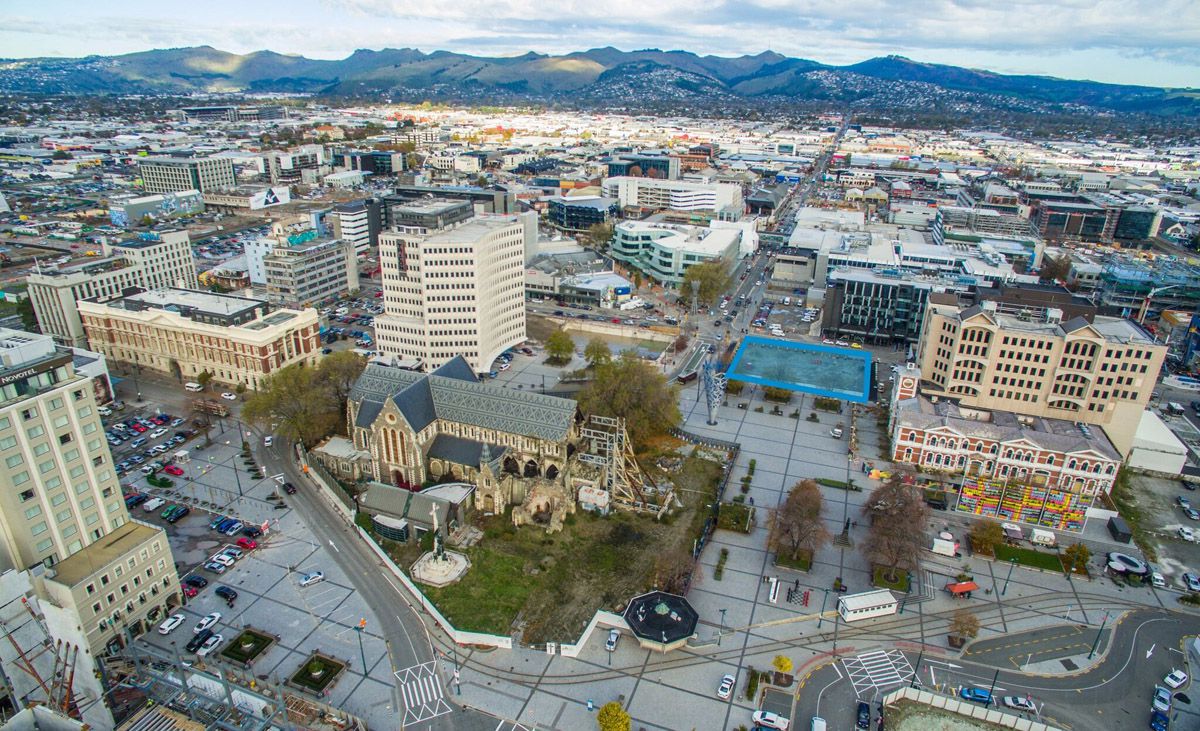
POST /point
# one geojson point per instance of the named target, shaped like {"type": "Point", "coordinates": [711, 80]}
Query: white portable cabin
{"type": "Point", "coordinates": [867, 605]}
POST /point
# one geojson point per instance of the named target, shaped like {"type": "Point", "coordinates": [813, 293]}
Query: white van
{"type": "Point", "coordinates": [818, 724]}
{"type": "Point", "coordinates": [194, 387]}
{"type": "Point", "coordinates": [787, 301]}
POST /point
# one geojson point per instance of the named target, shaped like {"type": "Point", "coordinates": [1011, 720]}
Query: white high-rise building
{"type": "Point", "coordinates": [455, 291]}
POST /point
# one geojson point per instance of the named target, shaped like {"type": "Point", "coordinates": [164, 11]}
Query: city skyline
{"type": "Point", "coordinates": [1108, 41]}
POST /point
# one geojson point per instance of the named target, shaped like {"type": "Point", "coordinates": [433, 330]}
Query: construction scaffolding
{"type": "Point", "coordinates": [47, 663]}
{"type": "Point", "coordinates": [219, 699]}
{"type": "Point", "coordinates": [609, 449]}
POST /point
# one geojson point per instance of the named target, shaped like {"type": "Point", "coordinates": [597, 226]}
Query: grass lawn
{"type": "Point", "coordinates": [802, 562]}
{"type": "Point", "coordinates": [549, 586]}
{"type": "Point", "coordinates": [735, 516]}
{"type": "Point", "coordinates": [879, 577]}
{"type": "Point", "coordinates": [1029, 557]}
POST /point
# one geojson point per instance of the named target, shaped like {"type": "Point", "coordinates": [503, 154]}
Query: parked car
{"type": "Point", "coordinates": [768, 719]}
{"type": "Point", "coordinates": [268, 440]}
{"type": "Point", "coordinates": [1175, 679]}
{"type": "Point", "coordinates": [226, 593]}
{"type": "Point", "coordinates": [1162, 699]}
{"type": "Point", "coordinates": [862, 718]}
{"type": "Point", "coordinates": [614, 636]}
{"type": "Point", "coordinates": [229, 396]}
{"type": "Point", "coordinates": [247, 544]}
{"type": "Point", "coordinates": [197, 581]}
{"type": "Point", "coordinates": [209, 645]}
{"type": "Point", "coordinates": [170, 624]}
{"type": "Point", "coordinates": [1159, 721]}
{"type": "Point", "coordinates": [216, 567]}
{"type": "Point", "coordinates": [252, 531]}
{"type": "Point", "coordinates": [207, 622]}
{"type": "Point", "coordinates": [725, 688]}
{"type": "Point", "coordinates": [289, 488]}
{"type": "Point", "coordinates": [1018, 702]}
{"type": "Point", "coordinates": [312, 578]}
{"type": "Point", "coordinates": [153, 504]}
{"type": "Point", "coordinates": [198, 641]}
{"type": "Point", "coordinates": [976, 695]}
{"type": "Point", "coordinates": [178, 514]}
{"type": "Point", "coordinates": [1192, 582]}
{"type": "Point", "coordinates": [1187, 534]}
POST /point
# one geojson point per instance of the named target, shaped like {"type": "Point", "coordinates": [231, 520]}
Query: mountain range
{"type": "Point", "coordinates": [599, 75]}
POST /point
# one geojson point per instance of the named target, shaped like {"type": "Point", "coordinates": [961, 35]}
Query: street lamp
{"type": "Point", "coordinates": [821, 616]}
{"type": "Point", "coordinates": [362, 625]}
{"type": "Point", "coordinates": [1098, 633]}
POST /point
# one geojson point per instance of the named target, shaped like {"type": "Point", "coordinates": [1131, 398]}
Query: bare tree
{"type": "Point", "coordinates": [797, 525]}
{"type": "Point", "coordinates": [898, 515]}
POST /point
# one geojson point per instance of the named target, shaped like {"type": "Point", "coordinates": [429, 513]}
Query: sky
{"type": "Point", "coordinates": [1153, 43]}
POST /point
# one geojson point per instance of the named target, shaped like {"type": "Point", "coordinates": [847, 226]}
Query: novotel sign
{"type": "Point", "coordinates": [21, 375]}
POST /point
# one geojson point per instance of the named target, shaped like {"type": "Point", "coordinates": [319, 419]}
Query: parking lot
{"type": "Point", "coordinates": [1159, 504]}
{"type": "Point", "coordinates": [267, 580]}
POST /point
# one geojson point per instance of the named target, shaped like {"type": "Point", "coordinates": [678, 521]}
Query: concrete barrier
{"type": "Point", "coordinates": [967, 709]}
{"type": "Point", "coordinates": [601, 617]}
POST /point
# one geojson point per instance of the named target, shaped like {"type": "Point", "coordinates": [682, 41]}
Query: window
{"type": "Point", "coordinates": [35, 431]}
{"type": "Point", "coordinates": [40, 449]}
{"type": "Point", "coordinates": [61, 421]}
{"type": "Point", "coordinates": [14, 460]}
{"type": "Point", "coordinates": [39, 528]}
{"type": "Point", "coordinates": [56, 404]}
{"type": "Point", "coordinates": [33, 512]}
{"type": "Point", "coordinates": [20, 478]}
{"type": "Point", "coordinates": [28, 414]}
{"type": "Point", "coordinates": [65, 438]}
{"type": "Point", "coordinates": [8, 443]}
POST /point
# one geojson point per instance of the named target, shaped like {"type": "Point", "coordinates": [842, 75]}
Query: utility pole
{"type": "Point", "coordinates": [1099, 632]}
{"type": "Point", "coordinates": [362, 625]}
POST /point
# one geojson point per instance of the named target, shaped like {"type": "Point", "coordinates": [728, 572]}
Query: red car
{"type": "Point", "coordinates": [173, 470]}
{"type": "Point", "coordinates": [189, 591]}
{"type": "Point", "coordinates": [138, 428]}
{"type": "Point", "coordinates": [247, 544]}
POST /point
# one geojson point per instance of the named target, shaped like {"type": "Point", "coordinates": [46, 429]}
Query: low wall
{"type": "Point", "coordinates": [601, 617]}
{"type": "Point", "coordinates": [967, 709]}
{"type": "Point", "coordinates": [458, 636]}
{"type": "Point", "coordinates": [633, 332]}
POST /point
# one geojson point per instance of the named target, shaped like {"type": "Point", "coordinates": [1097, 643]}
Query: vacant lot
{"type": "Point", "coordinates": [548, 586]}
{"type": "Point", "coordinates": [907, 716]}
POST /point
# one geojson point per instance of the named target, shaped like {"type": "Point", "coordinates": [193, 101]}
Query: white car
{"type": "Point", "coordinates": [1018, 702]}
{"type": "Point", "coordinates": [157, 433]}
{"type": "Point", "coordinates": [844, 343]}
{"type": "Point", "coordinates": [229, 396]}
{"type": "Point", "coordinates": [312, 578]}
{"type": "Point", "coordinates": [613, 637]}
{"type": "Point", "coordinates": [771, 720]}
{"type": "Point", "coordinates": [104, 411]}
{"type": "Point", "coordinates": [153, 504]}
{"type": "Point", "coordinates": [1187, 534]}
{"type": "Point", "coordinates": [209, 645]}
{"type": "Point", "coordinates": [222, 559]}
{"type": "Point", "coordinates": [268, 441]}
{"type": "Point", "coordinates": [1175, 679]}
{"type": "Point", "coordinates": [177, 619]}
{"type": "Point", "coordinates": [208, 621]}
{"type": "Point", "coordinates": [725, 689]}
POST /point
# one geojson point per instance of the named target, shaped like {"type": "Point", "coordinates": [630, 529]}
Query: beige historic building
{"type": "Point", "coordinates": [185, 332]}
{"type": "Point", "coordinates": [456, 291]}
{"type": "Point", "coordinates": [535, 453]}
{"type": "Point", "coordinates": [1030, 361]}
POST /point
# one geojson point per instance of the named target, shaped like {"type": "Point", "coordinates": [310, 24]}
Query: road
{"type": "Point", "coordinates": [1112, 695]}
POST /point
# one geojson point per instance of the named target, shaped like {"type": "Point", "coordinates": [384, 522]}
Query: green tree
{"type": "Point", "coordinates": [612, 717]}
{"type": "Point", "coordinates": [481, 182]}
{"type": "Point", "coordinates": [28, 317]}
{"type": "Point", "coordinates": [1055, 269]}
{"type": "Point", "coordinates": [1076, 556]}
{"type": "Point", "coordinates": [60, 155]}
{"type": "Point", "coordinates": [338, 372]}
{"type": "Point", "coordinates": [298, 401]}
{"type": "Point", "coordinates": [985, 536]}
{"type": "Point", "coordinates": [713, 278]}
{"type": "Point", "coordinates": [894, 508]}
{"type": "Point", "coordinates": [599, 235]}
{"type": "Point", "coordinates": [597, 352]}
{"type": "Point", "coordinates": [560, 347]}
{"type": "Point", "coordinates": [796, 525]}
{"type": "Point", "coordinates": [629, 388]}
{"type": "Point", "coordinates": [204, 379]}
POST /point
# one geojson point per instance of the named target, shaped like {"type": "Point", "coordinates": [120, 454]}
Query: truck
{"type": "Point", "coordinates": [1012, 531]}
{"type": "Point", "coordinates": [1119, 529]}
{"type": "Point", "coordinates": [1042, 537]}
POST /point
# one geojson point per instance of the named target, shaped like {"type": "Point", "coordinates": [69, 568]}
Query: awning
{"type": "Point", "coordinates": [962, 587]}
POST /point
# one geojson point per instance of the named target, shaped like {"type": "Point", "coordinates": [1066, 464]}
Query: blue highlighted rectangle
{"type": "Point", "coordinates": [823, 370]}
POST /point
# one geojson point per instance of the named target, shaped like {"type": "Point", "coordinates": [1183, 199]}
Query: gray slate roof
{"type": "Point", "coordinates": [462, 451]}
{"type": "Point", "coordinates": [450, 394]}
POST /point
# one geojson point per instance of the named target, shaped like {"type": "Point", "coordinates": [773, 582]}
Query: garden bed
{"type": "Point", "coordinates": [802, 561]}
{"type": "Point", "coordinates": [328, 671]}
{"type": "Point", "coordinates": [879, 578]}
{"type": "Point", "coordinates": [256, 643]}
{"type": "Point", "coordinates": [736, 517]}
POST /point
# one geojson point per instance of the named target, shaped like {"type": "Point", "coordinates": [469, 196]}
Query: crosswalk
{"type": "Point", "coordinates": [421, 692]}
{"type": "Point", "coordinates": [879, 670]}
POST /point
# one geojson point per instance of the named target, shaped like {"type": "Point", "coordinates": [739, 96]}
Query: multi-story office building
{"type": "Point", "coordinates": [880, 306]}
{"type": "Point", "coordinates": [429, 214]}
{"type": "Point", "coordinates": [228, 113]}
{"type": "Point", "coordinates": [60, 492]}
{"type": "Point", "coordinates": [169, 174]}
{"type": "Point", "coordinates": [307, 271]}
{"type": "Point", "coordinates": [456, 291]}
{"type": "Point", "coordinates": [149, 261]}
{"type": "Point", "coordinates": [645, 165]}
{"type": "Point", "coordinates": [483, 200]}
{"type": "Point", "coordinates": [1030, 361]}
{"type": "Point", "coordinates": [723, 199]}
{"type": "Point", "coordinates": [376, 162]}
{"type": "Point", "coordinates": [582, 212]}
{"type": "Point", "coordinates": [247, 198]}
{"type": "Point", "coordinates": [358, 223]}
{"type": "Point", "coordinates": [183, 332]}
{"type": "Point", "coordinates": [304, 164]}
{"type": "Point", "coordinates": [664, 251]}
